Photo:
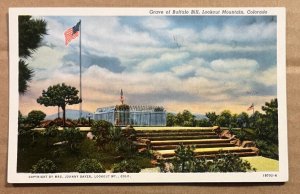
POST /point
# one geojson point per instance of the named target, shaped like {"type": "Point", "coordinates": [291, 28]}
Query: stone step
{"type": "Point", "coordinates": [211, 156]}
{"type": "Point", "coordinates": [174, 130]}
{"type": "Point", "coordinates": [188, 133]}
{"type": "Point", "coordinates": [189, 141]}
{"type": "Point", "coordinates": [170, 147]}
{"type": "Point", "coordinates": [157, 138]}
{"type": "Point", "coordinates": [208, 151]}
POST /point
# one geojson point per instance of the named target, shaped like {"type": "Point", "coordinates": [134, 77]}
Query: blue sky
{"type": "Point", "coordinates": [201, 63]}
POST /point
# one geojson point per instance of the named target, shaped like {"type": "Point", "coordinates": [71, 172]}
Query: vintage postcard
{"type": "Point", "coordinates": [146, 95]}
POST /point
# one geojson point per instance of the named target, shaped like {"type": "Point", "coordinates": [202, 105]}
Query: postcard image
{"type": "Point", "coordinates": [145, 95]}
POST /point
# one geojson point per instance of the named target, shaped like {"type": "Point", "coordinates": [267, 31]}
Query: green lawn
{"type": "Point", "coordinates": [263, 164]}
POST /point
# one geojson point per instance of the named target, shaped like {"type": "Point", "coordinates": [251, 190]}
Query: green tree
{"type": "Point", "coordinates": [266, 125]}
{"type": "Point", "coordinates": [179, 119]}
{"type": "Point", "coordinates": [203, 123]}
{"type": "Point", "coordinates": [224, 120]}
{"type": "Point", "coordinates": [212, 117]}
{"type": "Point", "coordinates": [60, 95]}
{"type": "Point", "coordinates": [186, 118]}
{"type": "Point", "coordinates": [35, 117]}
{"type": "Point", "coordinates": [170, 119]}
{"type": "Point", "coordinates": [31, 33]}
{"type": "Point", "coordinates": [243, 120]}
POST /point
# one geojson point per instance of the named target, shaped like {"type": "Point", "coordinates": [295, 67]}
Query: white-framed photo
{"type": "Point", "coordinates": [147, 95]}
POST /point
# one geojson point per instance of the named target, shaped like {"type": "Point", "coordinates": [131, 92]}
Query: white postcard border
{"type": "Point", "coordinates": [14, 177]}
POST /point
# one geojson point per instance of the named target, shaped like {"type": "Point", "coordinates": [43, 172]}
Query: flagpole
{"type": "Point", "coordinates": [80, 94]}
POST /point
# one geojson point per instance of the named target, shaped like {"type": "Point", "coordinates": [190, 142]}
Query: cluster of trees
{"type": "Point", "coordinates": [265, 124]}
{"type": "Point", "coordinates": [224, 119]}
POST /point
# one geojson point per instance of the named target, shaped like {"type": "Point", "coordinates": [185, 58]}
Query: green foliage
{"type": "Point", "coordinates": [185, 158]}
{"type": "Point", "coordinates": [170, 119]}
{"type": "Point", "coordinates": [59, 95]}
{"type": "Point", "coordinates": [227, 163]}
{"type": "Point", "coordinates": [25, 76]}
{"type": "Point", "coordinates": [212, 117]}
{"type": "Point", "coordinates": [129, 166]}
{"type": "Point", "coordinates": [43, 166]}
{"type": "Point", "coordinates": [186, 161]}
{"type": "Point", "coordinates": [35, 117]}
{"type": "Point", "coordinates": [203, 123]}
{"type": "Point", "coordinates": [90, 166]}
{"type": "Point", "coordinates": [115, 133]}
{"type": "Point", "coordinates": [22, 125]}
{"type": "Point", "coordinates": [186, 118]}
{"type": "Point", "coordinates": [73, 136]}
{"type": "Point", "coordinates": [101, 130]}
{"type": "Point", "coordinates": [267, 124]}
{"type": "Point", "coordinates": [243, 120]}
{"type": "Point", "coordinates": [31, 32]}
{"type": "Point", "coordinates": [224, 119]}
{"type": "Point", "coordinates": [267, 149]}
{"type": "Point", "coordinates": [50, 132]}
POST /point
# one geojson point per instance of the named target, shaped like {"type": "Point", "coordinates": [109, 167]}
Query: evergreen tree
{"type": "Point", "coordinates": [31, 33]}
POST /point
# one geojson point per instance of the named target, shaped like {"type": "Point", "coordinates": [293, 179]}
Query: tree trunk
{"type": "Point", "coordinates": [64, 115]}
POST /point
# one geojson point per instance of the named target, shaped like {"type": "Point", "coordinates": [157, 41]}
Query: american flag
{"type": "Point", "coordinates": [251, 107]}
{"type": "Point", "coordinates": [71, 33]}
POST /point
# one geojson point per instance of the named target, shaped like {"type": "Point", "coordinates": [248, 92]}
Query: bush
{"type": "Point", "coordinates": [35, 117]}
{"type": "Point", "coordinates": [43, 166]}
{"type": "Point", "coordinates": [227, 163]}
{"type": "Point", "coordinates": [72, 136]}
{"type": "Point", "coordinates": [89, 165]}
{"type": "Point", "coordinates": [185, 161]}
{"type": "Point", "coordinates": [50, 132]}
{"type": "Point", "coordinates": [185, 158]}
{"type": "Point", "coordinates": [101, 131]}
{"type": "Point", "coordinates": [129, 166]}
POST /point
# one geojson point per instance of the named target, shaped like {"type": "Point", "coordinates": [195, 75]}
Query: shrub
{"type": "Point", "coordinates": [185, 158]}
{"type": "Point", "coordinates": [129, 166]}
{"type": "Point", "coordinates": [49, 132]}
{"type": "Point", "coordinates": [185, 161]}
{"type": "Point", "coordinates": [72, 136]}
{"type": "Point", "coordinates": [43, 166]}
{"type": "Point", "coordinates": [89, 165]}
{"type": "Point", "coordinates": [228, 163]}
{"type": "Point", "coordinates": [35, 117]}
{"type": "Point", "coordinates": [101, 131]}
{"type": "Point", "coordinates": [115, 133]}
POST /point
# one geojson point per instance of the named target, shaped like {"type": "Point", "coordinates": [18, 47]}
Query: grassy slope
{"type": "Point", "coordinates": [263, 164]}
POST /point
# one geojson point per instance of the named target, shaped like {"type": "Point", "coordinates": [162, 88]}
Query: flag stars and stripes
{"type": "Point", "coordinates": [72, 33]}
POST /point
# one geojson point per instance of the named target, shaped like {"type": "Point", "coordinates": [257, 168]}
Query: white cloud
{"type": "Point", "coordinates": [156, 22]}
{"type": "Point", "coordinates": [255, 32]}
{"type": "Point", "coordinates": [267, 77]}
